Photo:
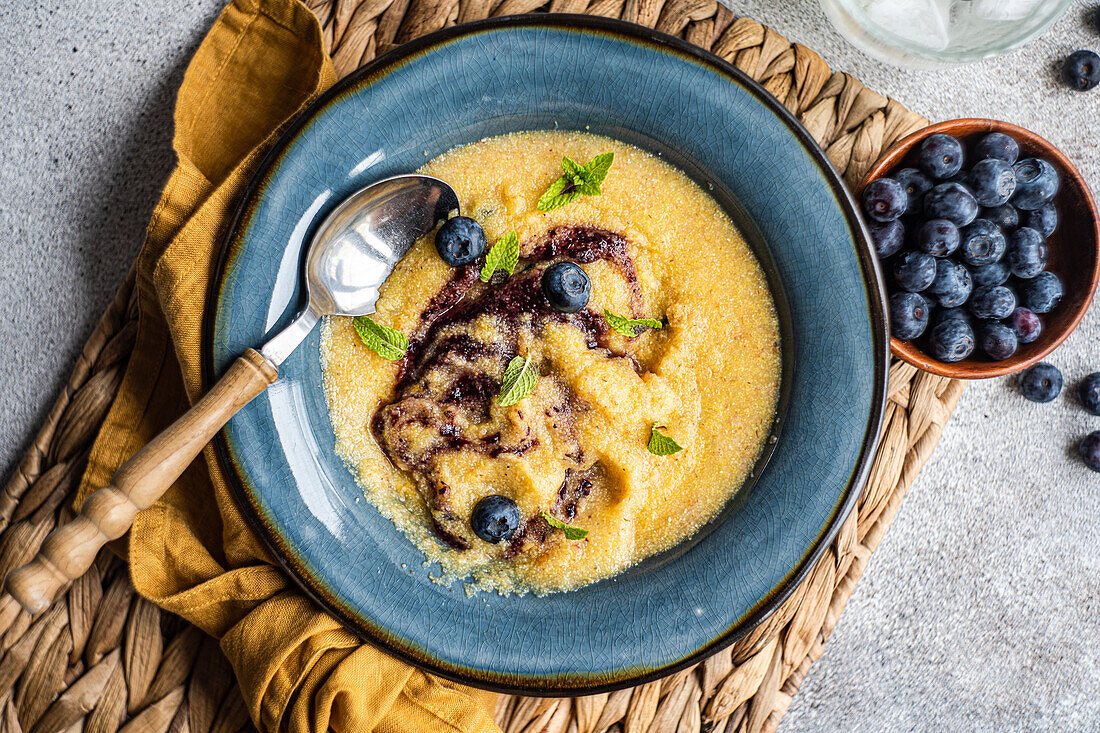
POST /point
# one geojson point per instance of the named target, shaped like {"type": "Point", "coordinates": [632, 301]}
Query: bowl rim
{"type": "Point", "coordinates": [893, 158]}
{"type": "Point", "coordinates": [877, 301]}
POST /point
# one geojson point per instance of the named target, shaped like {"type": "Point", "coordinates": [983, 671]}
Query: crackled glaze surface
{"type": "Point", "coordinates": [725, 132]}
{"type": "Point", "coordinates": [427, 439]}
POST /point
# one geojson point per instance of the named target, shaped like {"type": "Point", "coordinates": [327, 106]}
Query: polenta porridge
{"type": "Point", "coordinates": [575, 375]}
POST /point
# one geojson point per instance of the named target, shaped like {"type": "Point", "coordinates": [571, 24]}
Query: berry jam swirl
{"type": "Point", "coordinates": [454, 366]}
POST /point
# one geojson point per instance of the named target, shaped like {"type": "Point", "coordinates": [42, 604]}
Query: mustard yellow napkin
{"type": "Point", "coordinates": [192, 553]}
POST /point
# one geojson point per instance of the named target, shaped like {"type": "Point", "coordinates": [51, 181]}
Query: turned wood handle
{"type": "Point", "coordinates": [107, 514]}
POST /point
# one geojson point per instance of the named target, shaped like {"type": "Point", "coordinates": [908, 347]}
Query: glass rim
{"type": "Point", "coordinates": [847, 17]}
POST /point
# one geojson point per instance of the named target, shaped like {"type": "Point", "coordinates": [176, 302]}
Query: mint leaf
{"type": "Point", "coordinates": [503, 255]}
{"type": "Point", "coordinates": [571, 532]}
{"type": "Point", "coordinates": [519, 379]}
{"type": "Point", "coordinates": [629, 326]}
{"type": "Point", "coordinates": [596, 170]}
{"type": "Point", "coordinates": [391, 345]}
{"type": "Point", "coordinates": [560, 193]}
{"type": "Point", "coordinates": [571, 167]}
{"type": "Point", "coordinates": [579, 180]}
{"type": "Point", "coordinates": [661, 445]}
{"type": "Point", "coordinates": [587, 188]}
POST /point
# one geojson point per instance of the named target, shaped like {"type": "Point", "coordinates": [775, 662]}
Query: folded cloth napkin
{"type": "Point", "coordinates": [193, 553]}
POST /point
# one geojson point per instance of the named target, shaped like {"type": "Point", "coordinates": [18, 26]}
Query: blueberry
{"type": "Point", "coordinates": [914, 271]}
{"type": "Point", "coordinates": [1089, 393]}
{"type": "Point", "coordinates": [1027, 253]}
{"type": "Point", "coordinates": [983, 243]}
{"type": "Point", "coordinates": [495, 518]}
{"type": "Point", "coordinates": [884, 199]}
{"type": "Point", "coordinates": [908, 315]}
{"type": "Point", "coordinates": [997, 146]}
{"type": "Point", "coordinates": [995, 302]}
{"type": "Point", "coordinates": [992, 181]}
{"type": "Point", "coordinates": [1043, 220]}
{"type": "Point", "coordinates": [986, 276]}
{"type": "Point", "coordinates": [1041, 383]}
{"type": "Point", "coordinates": [1006, 217]}
{"type": "Point", "coordinates": [916, 185]}
{"type": "Point", "coordinates": [887, 237]}
{"type": "Point", "coordinates": [460, 241]}
{"type": "Point", "coordinates": [1036, 183]}
{"type": "Point", "coordinates": [951, 201]}
{"type": "Point", "coordinates": [1042, 293]}
{"type": "Point", "coordinates": [951, 341]}
{"type": "Point", "coordinates": [997, 340]}
{"type": "Point", "coordinates": [1081, 70]}
{"type": "Point", "coordinates": [938, 237]}
{"type": "Point", "coordinates": [1027, 325]}
{"type": "Point", "coordinates": [1090, 450]}
{"type": "Point", "coordinates": [952, 284]}
{"type": "Point", "coordinates": [940, 156]}
{"type": "Point", "coordinates": [943, 315]}
{"type": "Point", "coordinates": [566, 287]}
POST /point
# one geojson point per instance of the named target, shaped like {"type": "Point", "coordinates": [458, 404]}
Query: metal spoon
{"type": "Point", "coordinates": [350, 255]}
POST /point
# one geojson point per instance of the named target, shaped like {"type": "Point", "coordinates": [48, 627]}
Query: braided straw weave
{"type": "Point", "coordinates": [102, 659]}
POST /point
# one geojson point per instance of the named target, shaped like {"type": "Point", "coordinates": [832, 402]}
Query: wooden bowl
{"type": "Point", "coordinates": [1074, 248]}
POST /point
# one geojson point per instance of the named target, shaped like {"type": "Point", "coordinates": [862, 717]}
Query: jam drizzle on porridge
{"type": "Point", "coordinates": [452, 371]}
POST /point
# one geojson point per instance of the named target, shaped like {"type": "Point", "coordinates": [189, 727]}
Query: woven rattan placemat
{"type": "Point", "coordinates": [102, 659]}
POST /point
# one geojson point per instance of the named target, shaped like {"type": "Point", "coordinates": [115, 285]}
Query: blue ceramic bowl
{"type": "Point", "coordinates": [627, 82]}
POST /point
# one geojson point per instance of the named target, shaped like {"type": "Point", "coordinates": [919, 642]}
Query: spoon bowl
{"type": "Point", "coordinates": [356, 248]}
{"type": "Point", "coordinates": [358, 244]}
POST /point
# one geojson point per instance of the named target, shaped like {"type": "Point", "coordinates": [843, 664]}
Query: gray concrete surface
{"type": "Point", "coordinates": [981, 610]}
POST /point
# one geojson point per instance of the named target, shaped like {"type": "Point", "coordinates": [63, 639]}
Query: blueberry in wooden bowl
{"type": "Point", "coordinates": [1015, 235]}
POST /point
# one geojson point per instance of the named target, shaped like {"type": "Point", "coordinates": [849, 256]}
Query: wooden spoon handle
{"type": "Point", "coordinates": [107, 514]}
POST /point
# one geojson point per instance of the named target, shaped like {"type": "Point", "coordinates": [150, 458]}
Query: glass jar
{"type": "Point", "coordinates": [940, 32]}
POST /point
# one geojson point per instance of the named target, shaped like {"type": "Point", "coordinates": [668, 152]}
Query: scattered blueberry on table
{"type": "Point", "coordinates": [1081, 70]}
{"type": "Point", "coordinates": [962, 228]}
{"type": "Point", "coordinates": [1089, 449]}
{"type": "Point", "coordinates": [1041, 383]}
{"type": "Point", "coordinates": [1089, 393]}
